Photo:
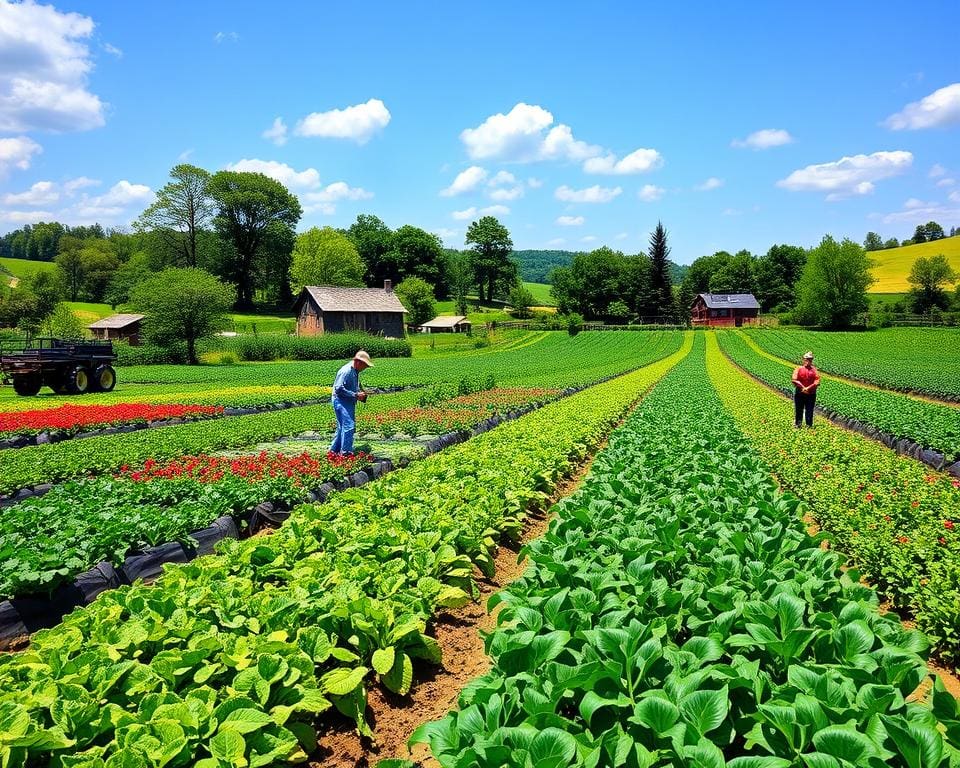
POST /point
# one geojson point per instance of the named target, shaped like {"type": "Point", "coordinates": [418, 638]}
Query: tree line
{"type": "Point", "coordinates": [924, 233]}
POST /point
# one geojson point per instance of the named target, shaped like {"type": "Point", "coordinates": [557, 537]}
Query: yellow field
{"type": "Point", "coordinates": [890, 268]}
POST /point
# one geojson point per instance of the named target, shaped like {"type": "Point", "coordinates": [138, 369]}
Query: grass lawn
{"type": "Point", "coordinates": [891, 267]}
{"type": "Point", "coordinates": [88, 312]}
{"type": "Point", "coordinates": [249, 323]}
{"type": "Point", "coordinates": [476, 314]}
{"type": "Point", "coordinates": [541, 294]}
{"type": "Point", "coordinates": [22, 268]}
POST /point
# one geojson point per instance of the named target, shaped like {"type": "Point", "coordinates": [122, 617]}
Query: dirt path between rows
{"type": "Point", "coordinates": [436, 689]}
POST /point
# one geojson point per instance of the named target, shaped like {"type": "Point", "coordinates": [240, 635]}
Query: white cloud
{"type": "Point", "coordinates": [948, 182]}
{"type": "Point", "coordinates": [557, 241]}
{"type": "Point", "coordinates": [921, 214]}
{"type": "Point", "coordinates": [764, 139]}
{"type": "Point", "coordinates": [506, 195]}
{"type": "Point", "coordinates": [113, 50]}
{"type": "Point", "coordinates": [638, 161]}
{"type": "Point", "coordinates": [122, 202]}
{"type": "Point", "coordinates": [525, 135]}
{"type": "Point", "coordinates": [500, 191]}
{"type": "Point", "coordinates": [277, 133]}
{"type": "Point", "coordinates": [44, 67]}
{"type": "Point", "coordinates": [17, 152]}
{"type": "Point", "coordinates": [446, 234]}
{"type": "Point", "coordinates": [466, 181]}
{"type": "Point", "coordinates": [502, 178]}
{"type": "Point", "coordinates": [41, 193]}
{"type": "Point", "coordinates": [358, 123]}
{"type": "Point", "coordinates": [125, 193]}
{"type": "Point", "coordinates": [534, 183]}
{"type": "Point", "coordinates": [622, 236]}
{"type": "Point", "coordinates": [308, 179]}
{"type": "Point", "coordinates": [938, 110]}
{"type": "Point", "coordinates": [228, 37]}
{"type": "Point", "coordinates": [650, 193]}
{"type": "Point", "coordinates": [588, 239]}
{"type": "Point", "coordinates": [937, 170]}
{"type": "Point", "coordinates": [324, 200]}
{"type": "Point", "coordinates": [954, 197]}
{"type": "Point", "coordinates": [848, 175]}
{"type": "Point", "coordinates": [712, 183]}
{"type": "Point", "coordinates": [184, 156]}
{"type": "Point", "coordinates": [915, 203]}
{"type": "Point", "coordinates": [570, 221]}
{"type": "Point", "coordinates": [26, 217]}
{"type": "Point", "coordinates": [594, 194]}
{"type": "Point", "coordinates": [473, 211]}
{"type": "Point", "coordinates": [81, 182]}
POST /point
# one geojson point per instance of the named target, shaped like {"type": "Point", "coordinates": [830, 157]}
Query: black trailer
{"type": "Point", "coordinates": [67, 366]}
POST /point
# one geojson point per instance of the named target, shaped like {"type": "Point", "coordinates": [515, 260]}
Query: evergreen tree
{"type": "Point", "coordinates": [660, 272]}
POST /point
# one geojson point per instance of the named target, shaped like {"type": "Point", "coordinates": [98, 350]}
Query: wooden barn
{"type": "Point", "coordinates": [331, 309]}
{"type": "Point", "coordinates": [447, 324]}
{"type": "Point", "coordinates": [117, 328]}
{"type": "Point", "coordinates": [723, 310]}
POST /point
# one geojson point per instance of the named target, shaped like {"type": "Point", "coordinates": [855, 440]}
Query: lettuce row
{"type": "Point", "coordinates": [677, 613]}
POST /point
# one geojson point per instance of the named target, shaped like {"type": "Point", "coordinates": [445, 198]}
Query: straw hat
{"type": "Point", "coordinates": [806, 355]}
{"type": "Point", "coordinates": [363, 357]}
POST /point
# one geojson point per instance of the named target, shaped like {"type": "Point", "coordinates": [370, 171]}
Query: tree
{"type": "Point", "coordinates": [920, 234]}
{"type": "Point", "coordinates": [521, 299]}
{"type": "Point", "coordinates": [373, 240]}
{"type": "Point", "coordinates": [325, 257]}
{"type": "Point", "coordinates": [933, 231]}
{"type": "Point", "coordinates": [99, 263]}
{"type": "Point", "coordinates": [833, 287]}
{"type": "Point", "coordinates": [777, 274]}
{"type": "Point", "coordinates": [458, 277]}
{"type": "Point", "coordinates": [929, 276]}
{"type": "Point", "coordinates": [182, 304]}
{"type": "Point", "coordinates": [182, 209]}
{"type": "Point", "coordinates": [872, 242]}
{"type": "Point", "coordinates": [490, 257]}
{"type": "Point", "coordinates": [414, 252]}
{"type": "Point", "coordinates": [662, 292]}
{"type": "Point", "coordinates": [618, 311]}
{"type": "Point", "coordinates": [892, 243]}
{"type": "Point", "coordinates": [417, 296]}
{"type": "Point", "coordinates": [70, 265]}
{"type": "Point", "coordinates": [736, 276]}
{"type": "Point", "coordinates": [62, 323]}
{"type": "Point", "coordinates": [247, 205]}
{"type": "Point", "coordinates": [129, 275]}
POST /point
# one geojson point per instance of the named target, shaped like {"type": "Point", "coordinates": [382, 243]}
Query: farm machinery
{"type": "Point", "coordinates": [67, 366]}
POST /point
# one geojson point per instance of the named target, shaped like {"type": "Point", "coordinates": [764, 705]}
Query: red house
{"type": "Point", "coordinates": [724, 310]}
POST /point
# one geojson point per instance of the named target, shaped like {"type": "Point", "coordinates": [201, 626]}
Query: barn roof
{"type": "Point", "coordinates": [331, 298]}
{"type": "Point", "coordinates": [446, 321]}
{"type": "Point", "coordinates": [730, 300]}
{"type": "Point", "coordinates": [116, 321]}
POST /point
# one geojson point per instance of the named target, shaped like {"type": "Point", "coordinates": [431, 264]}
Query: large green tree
{"type": "Point", "coordinates": [249, 209]}
{"type": "Point", "coordinates": [833, 287]}
{"type": "Point", "coordinates": [738, 275]}
{"type": "Point", "coordinates": [414, 252]}
{"type": "Point", "coordinates": [490, 257]}
{"type": "Point", "coordinates": [929, 276]}
{"type": "Point", "coordinates": [325, 257]}
{"type": "Point", "coordinates": [416, 295]}
{"type": "Point", "coordinates": [872, 242]}
{"type": "Point", "coordinates": [458, 277]}
{"type": "Point", "coordinates": [777, 273]}
{"type": "Point", "coordinates": [183, 208]}
{"type": "Point", "coordinates": [660, 284]}
{"type": "Point", "coordinates": [182, 305]}
{"type": "Point", "coordinates": [373, 240]}
{"type": "Point", "coordinates": [70, 265]}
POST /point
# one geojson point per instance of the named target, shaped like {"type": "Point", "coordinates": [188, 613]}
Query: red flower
{"type": "Point", "coordinates": [903, 539]}
{"type": "Point", "coordinates": [914, 504]}
{"type": "Point", "coordinates": [71, 417]}
{"type": "Point", "coordinates": [942, 540]}
{"type": "Point", "coordinates": [948, 524]}
{"type": "Point", "coordinates": [869, 497]}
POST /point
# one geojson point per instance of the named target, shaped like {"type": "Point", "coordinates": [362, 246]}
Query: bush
{"type": "Point", "coordinates": [331, 346]}
{"type": "Point", "coordinates": [149, 354]}
{"type": "Point", "coordinates": [574, 323]}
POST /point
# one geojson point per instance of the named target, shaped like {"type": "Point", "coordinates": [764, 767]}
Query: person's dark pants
{"type": "Point", "coordinates": [803, 403]}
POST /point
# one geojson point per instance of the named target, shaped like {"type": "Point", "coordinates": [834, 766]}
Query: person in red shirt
{"type": "Point", "coordinates": [805, 381]}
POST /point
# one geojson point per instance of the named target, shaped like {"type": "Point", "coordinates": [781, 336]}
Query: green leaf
{"type": "Point", "coordinates": [246, 720]}
{"type": "Point", "coordinates": [758, 761]}
{"type": "Point", "coordinates": [705, 710]}
{"type": "Point", "coordinates": [843, 742]}
{"type": "Point", "coordinates": [383, 659]}
{"type": "Point", "coordinates": [452, 597]}
{"type": "Point", "coordinates": [340, 682]}
{"type": "Point", "coordinates": [229, 747]}
{"type": "Point", "coordinates": [552, 748]}
{"type": "Point", "coordinates": [400, 677]}
{"type": "Point", "coordinates": [659, 715]}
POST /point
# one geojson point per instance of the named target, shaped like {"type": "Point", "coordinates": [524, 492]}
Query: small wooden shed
{"type": "Point", "coordinates": [723, 310]}
{"type": "Point", "coordinates": [447, 324]}
{"type": "Point", "coordinates": [117, 328]}
{"type": "Point", "coordinates": [331, 309]}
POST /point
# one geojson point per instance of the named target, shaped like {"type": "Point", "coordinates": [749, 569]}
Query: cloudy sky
{"type": "Point", "coordinates": [576, 124]}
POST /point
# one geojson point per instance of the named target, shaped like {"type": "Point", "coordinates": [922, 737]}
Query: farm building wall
{"type": "Point", "coordinates": [313, 322]}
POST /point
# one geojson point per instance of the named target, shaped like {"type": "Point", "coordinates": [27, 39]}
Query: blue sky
{"type": "Point", "coordinates": [737, 124]}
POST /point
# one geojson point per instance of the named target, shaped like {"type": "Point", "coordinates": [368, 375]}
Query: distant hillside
{"type": "Point", "coordinates": [891, 267]}
{"type": "Point", "coordinates": [535, 266]}
{"type": "Point", "coordinates": [21, 269]}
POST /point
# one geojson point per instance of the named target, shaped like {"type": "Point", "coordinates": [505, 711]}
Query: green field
{"type": "Point", "coordinates": [22, 268]}
{"type": "Point", "coordinates": [891, 267]}
{"type": "Point", "coordinates": [541, 294]}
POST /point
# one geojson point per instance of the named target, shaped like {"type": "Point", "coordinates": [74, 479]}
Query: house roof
{"type": "Point", "coordinates": [116, 321]}
{"type": "Point", "coordinates": [446, 321]}
{"type": "Point", "coordinates": [730, 300]}
{"type": "Point", "coordinates": [332, 298]}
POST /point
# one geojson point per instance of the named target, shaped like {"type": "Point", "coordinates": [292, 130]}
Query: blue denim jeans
{"type": "Point", "coordinates": [346, 426]}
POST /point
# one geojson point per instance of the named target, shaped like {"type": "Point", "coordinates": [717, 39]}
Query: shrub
{"type": "Point", "coordinates": [574, 323]}
{"type": "Point", "coordinates": [331, 346]}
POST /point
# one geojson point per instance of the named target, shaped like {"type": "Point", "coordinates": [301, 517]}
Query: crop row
{"type": "Point", "coordinates": [897, 520]}
{"type": "Point", "coordinates": [38, 464]}
{"type": "Point", "coordinates": [69, 419]}
{"type": "Point", "coordinates": [228, 660]}
{"type": "Point", "coordinates": [920, 360]}
{"type": "Point", "coordinates": [931, 425]}
{"type": "Point", "coordinates": [555, 361]}
{"type": "Point", "coordinates": [50, 539]}
{"type": "Point", "coordinates": [676, 613]}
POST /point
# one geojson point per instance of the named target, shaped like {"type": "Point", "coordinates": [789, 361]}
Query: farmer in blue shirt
{"type": "Point", "coordinates": [346, 392]}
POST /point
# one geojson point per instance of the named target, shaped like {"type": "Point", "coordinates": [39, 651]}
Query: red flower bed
{"type": "Point", "coordinates": [72, 418]}
{"type": "Point", "coordinates": [252, 467]}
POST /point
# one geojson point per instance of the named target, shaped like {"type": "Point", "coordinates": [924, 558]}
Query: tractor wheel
{"type": "Point", "coordinates": [78, 381]}
{"type": "Point", "coordinates": [27, 385]}
{"type": "Point", "coordinates": [104, 378]}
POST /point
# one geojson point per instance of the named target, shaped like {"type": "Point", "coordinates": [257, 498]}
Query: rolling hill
{"type": "Point", "coordinates": [20, 269]}
{"type": "Point", "coordinates": [891, 267]}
